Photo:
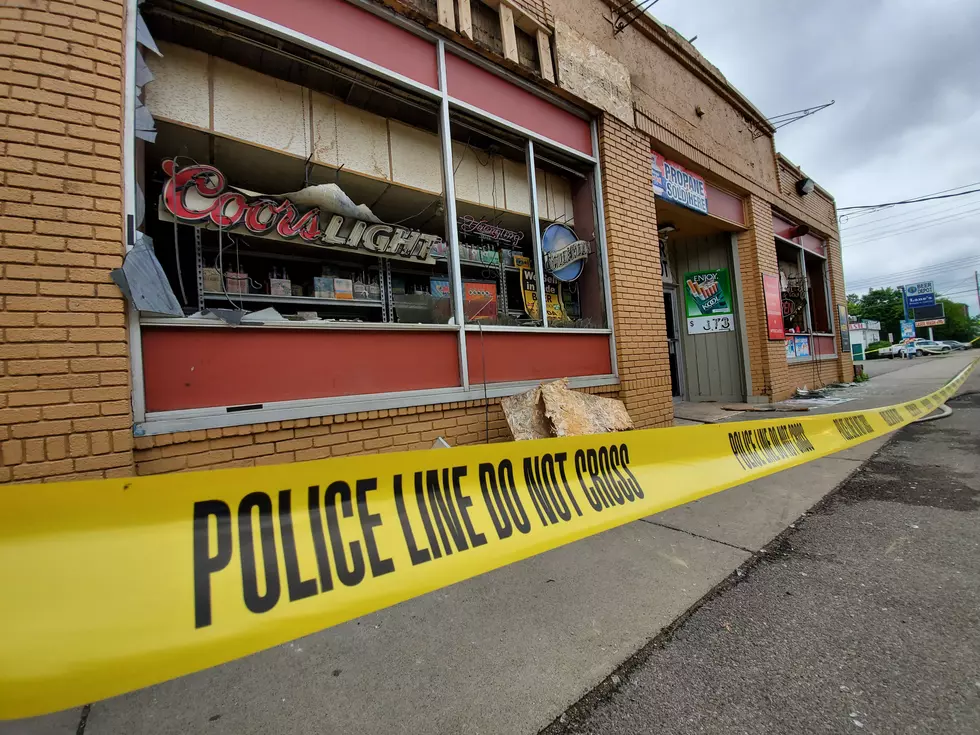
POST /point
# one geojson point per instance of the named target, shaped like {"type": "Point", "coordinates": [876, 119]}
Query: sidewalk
{"type": "Point", "coordinates": [506, 652]}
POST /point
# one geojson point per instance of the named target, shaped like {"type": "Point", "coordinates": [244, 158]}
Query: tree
{"type": "Point", "coordinates": [853, 304]}
{"type": "Point", "coordinates": [882, 305]}
{"type": "Point", "coordinates": [958, 325]}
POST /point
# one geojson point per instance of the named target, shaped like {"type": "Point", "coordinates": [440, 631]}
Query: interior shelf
{"type": "Point", "coordinates": [268, 298]}
{"type": "Point", "coordinates": [481, 264]}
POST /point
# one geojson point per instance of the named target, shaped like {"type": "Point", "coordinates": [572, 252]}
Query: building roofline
{"type": "Point", "coordinates": [676, 45]}
{"type": "Point", "coordinates": [780, 158]}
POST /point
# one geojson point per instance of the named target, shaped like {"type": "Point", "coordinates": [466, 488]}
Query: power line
{"type": "Point", "coordinates": [971, 291]}
{"type": "Point", "coordinates": [922, 226]}
{"type": "Point", "coordinates": [918, 220]}
{"type": "Point", "coordinates": [916, 200]}
{"type": "Point", "coordinates": [848, 216]}
{"type": "Point", "coordinates": [912, 273]}
{"type": "Point", "coordinates": [898, 278]}
{"type": "Point", "coordinates": [927, 211]}
{"type": "Point", "coordinates": [939, 264]}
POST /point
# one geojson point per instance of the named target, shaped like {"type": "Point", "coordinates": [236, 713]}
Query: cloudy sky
{"type": "Point", "coordinates": [905, 75]}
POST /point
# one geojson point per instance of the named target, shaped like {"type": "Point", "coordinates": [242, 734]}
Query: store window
{"type": "Point", "coordinates": [497, 238]}
{"type": "Point", "coordinates": [792, 285]}
{"type": "Point", "coordinates": [313, 201]}
{"type": "Point", "coordinates": [571, 256]}
{"type": "Point", "coordinates": [817, 291]}
{"type": "Point", "coordinates": [297, 207]}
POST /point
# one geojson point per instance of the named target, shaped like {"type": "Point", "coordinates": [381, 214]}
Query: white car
{"type": "Point", "coordinates": [902, 349]}
{"type": "Point", "coordinates": [930, 347]}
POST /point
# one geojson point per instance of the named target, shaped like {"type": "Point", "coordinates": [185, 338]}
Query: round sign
{"type": "Point", "coordinates": [564, 254]}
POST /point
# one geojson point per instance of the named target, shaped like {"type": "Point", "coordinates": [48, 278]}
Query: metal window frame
{"type": "Point", "coordinates": [162, 422]}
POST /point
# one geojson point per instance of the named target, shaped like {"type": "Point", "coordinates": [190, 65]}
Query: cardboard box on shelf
{"type": "Point", "coordinates": [323, 287]}
{"type": "Point", "coordinates": [343, 288]}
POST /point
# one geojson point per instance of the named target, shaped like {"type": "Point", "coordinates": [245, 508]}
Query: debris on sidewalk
{"type": "Point", "coordinates": [762, 407]}
{"type": "Point", "coordinates": [553, 409]}
{"type": "Point", "coordinates": [525, 416]}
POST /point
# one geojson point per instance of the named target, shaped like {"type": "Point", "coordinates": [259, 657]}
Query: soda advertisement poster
{"type": "Point", "coordinates": [708, 301]}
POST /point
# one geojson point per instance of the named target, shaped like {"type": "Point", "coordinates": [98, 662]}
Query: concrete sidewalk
{"type": "Point", "coordinates": [864, 620]}
{"type": "Point", "coordinates": [506, 652]}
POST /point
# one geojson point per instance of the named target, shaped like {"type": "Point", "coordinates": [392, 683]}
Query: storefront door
{"type": "Point", "coordinates": [673, 343]}
{"type": "Point", "coordinates": [713, 368]}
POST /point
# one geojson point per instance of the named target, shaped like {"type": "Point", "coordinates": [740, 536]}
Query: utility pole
{"type": "Point", "coordinates": [976, 277]}
{"type": "Point", "coordinates": [905, 311]}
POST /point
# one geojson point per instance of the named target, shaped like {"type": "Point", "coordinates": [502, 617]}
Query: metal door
{"type": "Point", "coordinates": [713, 366]}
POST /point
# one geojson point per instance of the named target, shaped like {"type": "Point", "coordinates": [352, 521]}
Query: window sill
{"type": "Point", "coordinates": [534, 330]}
{"type": "Point", "coordinates": [804, 360]}
{"type": "Point", "coordinates": [218, 324]}
{"type": "Point", "coordinates": [366, 326]}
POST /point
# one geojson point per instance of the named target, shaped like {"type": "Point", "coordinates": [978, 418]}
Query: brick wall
{"type": "Point", "coordinates": [634, 269]}
{"type": "Point", "coordinates": [815, 205]}
{"type": "Point", "coordinates": [65, 398]}
{"type": "Point", "coordinates": [810, 375]}
{"type": "Point", "coordinates": [538, 10]}
{"type": "Point", "coordinates": [838, 296]}
{"type": "Point", "coordinates": [757, 255]}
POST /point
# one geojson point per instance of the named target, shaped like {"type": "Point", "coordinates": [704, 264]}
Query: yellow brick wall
{"type": "Point", "coordinates": [64, 366]}
{"type": "Point", "coordinates": [757, 255]}
{"type": "Point", "coordinates": [815, 205]}
{"type": "Point", "coordinates": [539, 10]}
{"type": "Point", "coordinates": [810, 375]}
{"type": "Point", "coordinates": [634, 269]}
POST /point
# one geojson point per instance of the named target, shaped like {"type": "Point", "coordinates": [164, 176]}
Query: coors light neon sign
{"type": "Point", "coordinates": [198, 194]}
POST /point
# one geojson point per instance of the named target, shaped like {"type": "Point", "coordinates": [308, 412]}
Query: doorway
{"type": "Point", "coordinates": [673, 342]}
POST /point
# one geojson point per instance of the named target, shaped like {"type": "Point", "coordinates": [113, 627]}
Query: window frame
{"type": "Point", "coordinates": [808, 318]}
{"type": "Point", "coordinates": [150, 423]}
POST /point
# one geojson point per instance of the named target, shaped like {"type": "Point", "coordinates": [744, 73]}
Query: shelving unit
{"type": "Point", "coordinates": [505, 276]}
{"type": "Point", "coordinates": [302, 300]}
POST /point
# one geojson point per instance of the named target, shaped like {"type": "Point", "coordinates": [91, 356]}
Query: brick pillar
{"type": "Point", "coordinates": [757, 255]}
{"type": "Point", "coordinates": [634, 271]}
{"type": "Point", "coordinates": [64, 367]}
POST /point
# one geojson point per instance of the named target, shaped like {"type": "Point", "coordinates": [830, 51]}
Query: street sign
{"type": "Point", "coordinates": [919, 294]}
{"type": "Point", "coordinates": [930, 323]}
{"type": "Point", "coordinates": [908, 329]}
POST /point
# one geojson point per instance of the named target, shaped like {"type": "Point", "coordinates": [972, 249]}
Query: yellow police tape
{"type": "Point", "coordinates": [107, 586]}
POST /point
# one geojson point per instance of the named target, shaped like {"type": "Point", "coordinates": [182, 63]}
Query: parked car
{"type": "Point", "coordinates": [905, 348]}
{"type": "Point", "coordinates": [955, 344]}
{"type": "Point", "coordinates": [930, 347]}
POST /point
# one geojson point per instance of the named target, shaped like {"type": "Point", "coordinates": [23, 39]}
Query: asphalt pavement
{"type": "Point", "coordinates": [864, 617]}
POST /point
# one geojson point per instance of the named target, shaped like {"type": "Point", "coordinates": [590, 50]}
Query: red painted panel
{"type": "Point", "coordinates": [814, 245]}
{"type": "Point", "coordinates": [782, 227]}
{"type": "Point", "coordinates": [197, 368]}
{"type": "Point", "coordinates": [824, 345]}
{"type": "Point", "coordinates": [353, 30]}
{"type": "Point", "coordinates": [476, 86]}
{"type": "Point", "coordinates": [514, 356]}
{"type": "Point", "coordinates": [774, 306]}
{"type": "Point", "coordinates": [725, 205]}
